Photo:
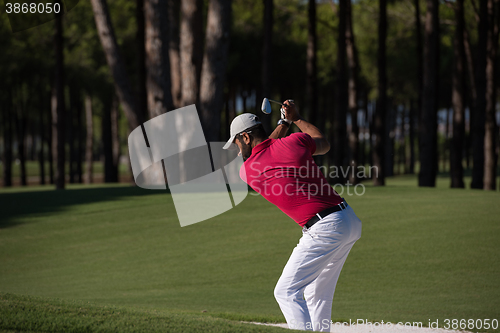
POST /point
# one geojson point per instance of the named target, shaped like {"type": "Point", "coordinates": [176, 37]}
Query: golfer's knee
{"type": "Point", "coordinates": [283, 294]}
{"type": "Point", "coordinates": [278, 293]}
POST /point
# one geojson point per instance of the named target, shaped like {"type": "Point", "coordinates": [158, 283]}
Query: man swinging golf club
{"type": "Point", "coordinates": [283, 171]}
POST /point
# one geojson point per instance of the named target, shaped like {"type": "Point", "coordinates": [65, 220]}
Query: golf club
{"type": "Point", "coordinates": [266, 106]}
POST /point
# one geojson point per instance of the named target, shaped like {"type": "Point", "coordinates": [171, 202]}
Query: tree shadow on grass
{"type": "Point", "coordinates": [18, 204]}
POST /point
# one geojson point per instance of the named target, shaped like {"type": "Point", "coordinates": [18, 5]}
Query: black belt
{"type": "Point", "coordinates": [326, 212]}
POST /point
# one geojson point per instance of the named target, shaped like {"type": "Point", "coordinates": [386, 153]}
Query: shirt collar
{"type": "Point", "coordinates": [261, 146]}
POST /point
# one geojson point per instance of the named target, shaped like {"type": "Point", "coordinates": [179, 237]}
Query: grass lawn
{"type": "Point", "coordinates": [36, 314]}
{"type": "Point", "coordinates": [425, 254]}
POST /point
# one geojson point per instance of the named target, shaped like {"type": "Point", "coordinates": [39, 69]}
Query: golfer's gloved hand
{"type": "Point", "coordinates": [289, 111]}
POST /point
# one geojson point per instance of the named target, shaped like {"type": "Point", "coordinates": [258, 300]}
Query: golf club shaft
{"type": "Point", "coordinates": [270, 100]}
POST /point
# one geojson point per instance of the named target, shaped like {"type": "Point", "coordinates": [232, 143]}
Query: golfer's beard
{"type": "Point", "coordinates": [246, 151]}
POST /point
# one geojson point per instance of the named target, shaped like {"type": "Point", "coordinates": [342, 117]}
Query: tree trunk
{"type": "Point", "coordinates": [402, 142]}
{"type": "Point", "coordinates": [411, 138]}
{"type": "Point", "coordinates": [490, 137]}
{"type": "Point", "coordinates": [157, 58]}
{"type": "Point", "coordinates": [389, 157]}
{"type": "Point", "coordinates": [20, 123]}
{"type": "Point", "coordinates": [428, 113]}
{"type": "Point", "coordinates": [110, 140]}
{"type": "Point", "coordinates": [366, 130]}
{"type": "Point", "coordinates": [340, 113]}
{"type": "Point", "coordinates": [107, 145]}
{"type": "Point", "coordinates": [214, 67]}
{"type": "Point", "coordinates": [50, 144]}
{"type": "Point", "coordinates": [458, 99]}
{"type": "Point", "coordinates": [420, 61]}
{"type": "Point", "coordinates": [227, 112]}
{"type": "Point", "coordinates": [41, 132]}
{"type": "Point", "coordinates": [311, 64]}
{"type": "Point", "coordinates": [89, 142]}
{"type": "Point", "coordinates": [115, 62]}
{"type": "Point", "coordinates": [71, 134]}
{"type": "Point", "coordinates": [191, 48]}
{"type": "Point", "coordinates": [267, 60]}
{"type": "Point", "coordinates": [420, 85]}
{"type": "Point", "coordinates": [142, 106]}
{"type": "Point", "coordinates": [58, 107]}
{"type": "Point", "coordinates": [174, 8]}
{"type": "Point", "coordinates": [381, 108]}
{"type": "Point", "coordinates": [448, 121]}
{"type": "Point", "coordinates": [479, 112]}
{"type": "Point", "coordinates": [415, 115]}
{"type": "Point", "coordinates": [80, 139]}
{"type": "Point", "coordinates": [352, 59]}
{"type": "Point", "coordinates": [472, 98]}
{"type": "Point", "coordinates": [7, 140]}
{"type": "Point", "coordinates": [29, 135]}
{"type": "Point", "coordinates": [115, 139]}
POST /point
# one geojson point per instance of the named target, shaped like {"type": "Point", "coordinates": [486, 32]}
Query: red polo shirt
{"type": "Point", "coordinates": [284, 173]}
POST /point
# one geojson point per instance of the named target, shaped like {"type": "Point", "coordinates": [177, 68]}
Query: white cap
{"type": "Point", "coordinates": [240, 124]}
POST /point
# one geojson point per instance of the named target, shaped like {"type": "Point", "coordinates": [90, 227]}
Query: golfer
{"type": "Point", "coordinates": [283, 171]}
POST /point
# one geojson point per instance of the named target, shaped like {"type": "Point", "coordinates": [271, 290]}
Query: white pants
{"type": "Point", "coordinates": [305, 289]}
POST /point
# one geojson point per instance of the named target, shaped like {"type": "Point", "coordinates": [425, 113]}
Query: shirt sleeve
{"type": "Point", "coordinates": [304, 140]}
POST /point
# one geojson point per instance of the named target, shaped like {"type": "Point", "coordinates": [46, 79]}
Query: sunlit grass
{"type": "Point", "coordinates": [425, 253]}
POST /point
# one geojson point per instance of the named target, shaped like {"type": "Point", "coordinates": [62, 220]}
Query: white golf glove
{"type": "Point", "coordinates": [283, 114]}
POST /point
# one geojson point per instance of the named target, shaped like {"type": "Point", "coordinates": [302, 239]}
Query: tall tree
{"type": "Point", "coordinates": [472, 96]}
{"type": "Point", "coordinates": [50, 143]}
{"type": "Point", "coordinates": [89, 146]}
{"type": "Point", "coordinates": [115, 62]}
{"type": "Point", "coordinates": [41, 132]}
{"type": "Point", "coordinates": [381, 107]}
{"type": "Point", "coordinates": [458, 99]}
{"type": "Point", "coordinates": [414, 115]}
{"type": "Point", "coordinates": [353, 84]}
{"type": "Point", "coordinates": [419, 49]}
{"type": "Point", "coordinates": [366, 131]}
{"type": "Point", "coordinates": [20, 121]}
{"type": "Point", "coordinates": [267, 57]}
{"type": "Point", "coordinates": [191, 49]}
{"type": "Point", "coordinates": [490, 136]}
{"type": "Point", "coordinates": [390, 130]}
{"type": "Point", "coordinates": [157, 58]}
{"type": "Point", "coordinates": [106, 139]}
{"type": "Point", "coordinates": [72, 132]}
{"type": "Point", "coordinates": [174, 8]}
{"type": "Point", "coordinates": [142, 101]}
{"type": "Point", "coordinates": [7, 139]}
{"type": "Point", "coordinates": [411, 137]}
{"type": "Point", "coordinates": [479, 112]}
{"type": "Point", "coordinates": [110, 140]}
{"type": "Point", "coordinates": [115, 138]}
{"type": "Point", "coordinates": [58, 107]}
{"type": "Point", "coordinates": [80, 140]}
{"type": "Point", "coordinates": [340, 112]}
{"type": "Point", "coordinates": [214, 67]}
{"type": "Point", "coordinates": [311, 63]}
{"type": "Point", "coordinates": [428, 114]}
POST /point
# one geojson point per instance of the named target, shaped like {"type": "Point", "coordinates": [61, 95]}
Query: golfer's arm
{"type": "Point", "coordinates": [279, 132]}
{"type": "Point", "coordinates": [322, 144]}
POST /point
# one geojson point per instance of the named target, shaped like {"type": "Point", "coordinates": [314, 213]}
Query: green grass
{"type": "Point", "coordinates": [425, 253]}
{"type": "Point", "coordinates": [36, 314]}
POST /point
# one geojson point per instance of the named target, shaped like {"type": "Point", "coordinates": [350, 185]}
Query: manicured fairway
{"type": "Point", "coordinates": [37, 314]}
{"type": "Point", "coordinates": [425, 253]}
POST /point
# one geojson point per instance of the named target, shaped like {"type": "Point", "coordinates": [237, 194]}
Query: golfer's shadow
{"type": "Point", "coordinates": [14, 207]}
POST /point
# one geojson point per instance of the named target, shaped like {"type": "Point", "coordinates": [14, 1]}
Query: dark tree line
{"type": "Point", "coordinates": [376, 108]}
